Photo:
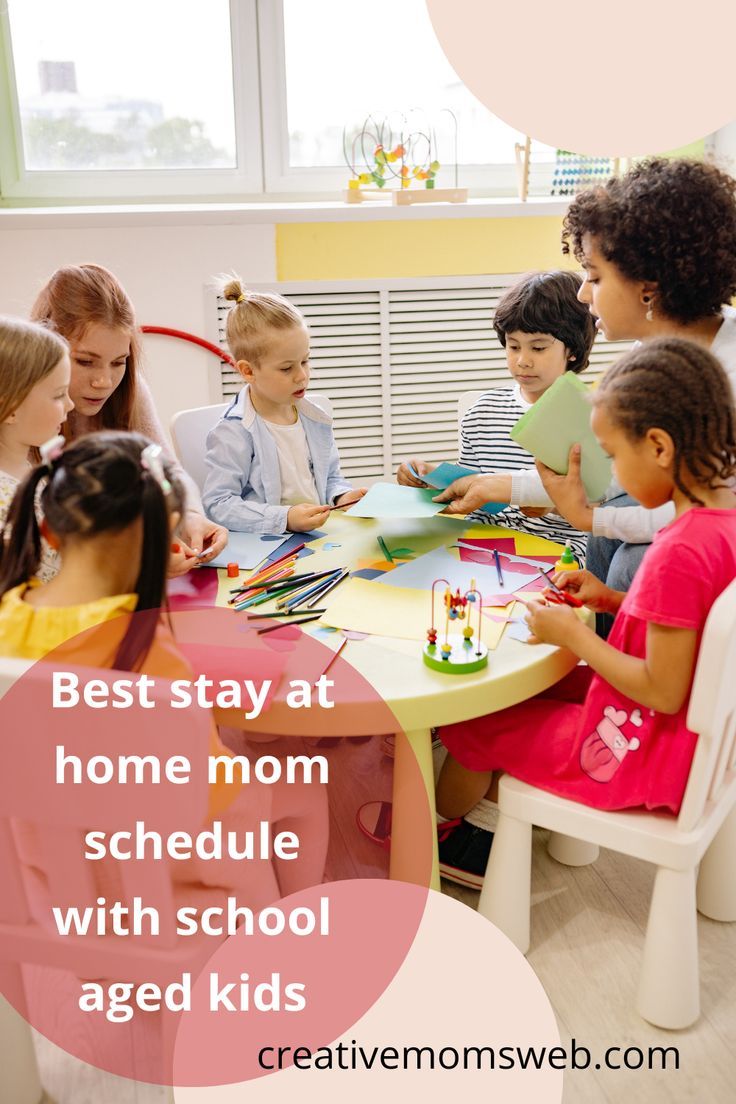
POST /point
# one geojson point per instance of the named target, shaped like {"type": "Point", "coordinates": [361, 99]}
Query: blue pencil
{"type": "Point", "coordinates": [498, 567]}
{"type": "Point", "coordinates": [297, 599]}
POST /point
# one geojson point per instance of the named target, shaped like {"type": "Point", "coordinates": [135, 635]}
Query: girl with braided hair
{"type": "Point", "coordinates": [613, 734]}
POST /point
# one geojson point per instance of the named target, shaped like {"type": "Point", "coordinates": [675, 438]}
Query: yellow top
{"type": "Point", "coordinates": [31, 632]}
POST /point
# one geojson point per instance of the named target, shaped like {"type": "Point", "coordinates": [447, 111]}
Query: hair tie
{"type": "Point", "coordinates": [241, 298]}
{"type": "Point", "coordinates": [51, 451]}
{"type": "Point", "coordinates": [152, 461]}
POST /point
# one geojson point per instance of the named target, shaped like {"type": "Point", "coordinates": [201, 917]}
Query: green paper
{"type": "Point", "coordinates": [559, 419]}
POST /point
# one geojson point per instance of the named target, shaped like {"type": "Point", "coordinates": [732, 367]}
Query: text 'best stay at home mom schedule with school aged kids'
{"type": "Point", "coordinates": [368, 549]}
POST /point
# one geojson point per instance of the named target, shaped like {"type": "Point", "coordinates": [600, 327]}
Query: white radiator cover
{"type": "Point", "coordinates": [394, 355]}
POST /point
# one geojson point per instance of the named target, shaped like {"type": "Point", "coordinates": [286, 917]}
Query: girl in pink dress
{"type": "Point", "coordinates": [613, 734]}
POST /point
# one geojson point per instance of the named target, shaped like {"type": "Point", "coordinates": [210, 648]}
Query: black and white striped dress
{"type": "Point", "coordinates": [485, 444]}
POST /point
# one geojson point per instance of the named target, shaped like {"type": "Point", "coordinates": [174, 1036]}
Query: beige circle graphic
{"type": "Point", "coordinates": [463, 985]}
{"type": "Point", "coordinates": [608, 80]}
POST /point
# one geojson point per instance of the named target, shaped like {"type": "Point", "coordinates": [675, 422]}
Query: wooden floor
{"type": "Point", "coordinates": [587, 931]}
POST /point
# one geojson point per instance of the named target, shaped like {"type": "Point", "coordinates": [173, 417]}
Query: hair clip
{"type": "Point", "coordinates": [51, 450]}
{"type": "Point", "coordinates": [242, 297]}
{"type": "Point", "coordinates": [152, 461]}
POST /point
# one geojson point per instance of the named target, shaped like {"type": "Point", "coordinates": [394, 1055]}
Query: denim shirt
{"type": "Point", "coordinates": [242, 490]}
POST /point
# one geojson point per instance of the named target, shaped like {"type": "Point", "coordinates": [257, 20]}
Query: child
{"type": "Point", "coordinates": [34, 401]}
{"type": "Point", "coordinates": [272, 460]}
{"type": "Point", "coordinates": [613, 734]}
{"type": "Point", "coordinates": [545, 332]}
{"type": "Point", "coordinates": [110, 501]}
{"type": "Point", "coordinates": [87, 305]}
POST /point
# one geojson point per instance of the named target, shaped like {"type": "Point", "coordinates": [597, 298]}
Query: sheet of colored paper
{"type": "Point", "coordinates": [445, 563]}
{"type": "Point", "coordinates": [363, 606]}
{"type": "Point", "coordinates": [197, 588]}
{"type": "Point", "coordinates": [445, 474]}
{"type": "Point", "coordinates": [389, 500]}
{"type": "Point", "coordinates": [248, 549]}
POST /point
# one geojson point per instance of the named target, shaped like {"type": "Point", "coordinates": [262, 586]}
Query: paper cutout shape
{"type": "Point", "coordinates": [366, 607]}
{"type": "Point", "coordinates": [248, 549]}
{"type": "Point", "coordinates": [445, 563]}
{"type": "Point", "coordinates": [559, 419]}
{"type": "Point", "coordinates": [445, 474]}
{"type": "Point", "coordinates": [389, 500]}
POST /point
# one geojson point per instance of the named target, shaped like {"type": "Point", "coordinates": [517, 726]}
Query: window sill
{"type": "Point", "coordinates": [214, 214]}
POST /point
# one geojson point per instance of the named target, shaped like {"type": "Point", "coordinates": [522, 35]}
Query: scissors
{"type": "Point", "coordinates": [557, 597]}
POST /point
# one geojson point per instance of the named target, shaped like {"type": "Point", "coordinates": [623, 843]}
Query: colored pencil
{"type": "Point", "coordinates": [301, 596]}
{"type": "Point", "coordinates": [331, 661]}
{"type": "Point", "coordinates": [326, 589]}
{"type": "Point", "coordinates": [301, 621]}
{"type": "Point", "coordinates": [291, 580]}
{"type": "Point", "coordinates": [282, 613]}
{"type": "Point", "coordinates": [498, 567]}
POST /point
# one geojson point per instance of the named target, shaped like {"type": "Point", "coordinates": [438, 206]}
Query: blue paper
{"type": "Point", "coordinates": [445, 474]}
{"type": "Point", "coordinates": [248, 549]}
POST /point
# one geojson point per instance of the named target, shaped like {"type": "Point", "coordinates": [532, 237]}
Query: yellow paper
{"type": "Point", "coordinates": [362, 606]}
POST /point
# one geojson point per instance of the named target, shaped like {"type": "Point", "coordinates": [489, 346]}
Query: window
{"type": "Point", "coordinates": [225, 98]}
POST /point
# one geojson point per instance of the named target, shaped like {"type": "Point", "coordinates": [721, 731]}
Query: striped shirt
{"type": "Point", "coordinates": [485, 444]}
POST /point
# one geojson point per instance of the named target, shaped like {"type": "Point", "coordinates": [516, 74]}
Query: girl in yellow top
{"type": "Point", "coordinates": [109, 503]}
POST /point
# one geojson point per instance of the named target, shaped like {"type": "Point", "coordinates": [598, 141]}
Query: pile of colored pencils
{"type": "Point", "coordinates": [277, 580]}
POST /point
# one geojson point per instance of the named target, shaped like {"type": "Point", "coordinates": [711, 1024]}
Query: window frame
{"type": "Point", "coordinates": [262, 173]}
{"type": "Point", "coordinates": [128, 185]}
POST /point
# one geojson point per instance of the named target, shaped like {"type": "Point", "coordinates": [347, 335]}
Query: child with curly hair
{"type": "Point", "coordinates": [614, 734]}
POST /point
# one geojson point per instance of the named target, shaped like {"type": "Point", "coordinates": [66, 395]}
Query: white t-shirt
{"type": "Point", "coordinates": [297, 481]}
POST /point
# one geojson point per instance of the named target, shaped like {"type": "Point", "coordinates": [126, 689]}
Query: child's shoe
{"type": "Point", "coordinates": [465, 844]}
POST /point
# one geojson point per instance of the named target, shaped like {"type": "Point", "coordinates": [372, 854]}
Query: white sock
{"type": "Point", "coordinates": [484, 815]}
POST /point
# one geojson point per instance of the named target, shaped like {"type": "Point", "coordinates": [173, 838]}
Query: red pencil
{"type": "Point", "coordinates": [331, 661]}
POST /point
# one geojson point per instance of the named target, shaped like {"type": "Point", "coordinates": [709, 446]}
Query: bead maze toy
{"type": "Point", "coordinates": [456, 654]}
{"type": "Point", "coordinates": [387, 157]}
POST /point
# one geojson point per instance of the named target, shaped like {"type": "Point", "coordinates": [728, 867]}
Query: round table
{"type": "Point", "coordinates": [419, 697]}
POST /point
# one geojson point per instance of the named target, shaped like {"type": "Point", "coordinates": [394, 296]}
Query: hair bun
{"type": "Point", "coordinates": [233, 291]}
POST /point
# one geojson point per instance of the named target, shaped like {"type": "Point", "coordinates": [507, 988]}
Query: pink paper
{"type": "Point", "coordinates": [195, 589]}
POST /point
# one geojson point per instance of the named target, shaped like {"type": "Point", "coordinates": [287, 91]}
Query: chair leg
{"type": "Point", "coordinates": [570, 851]}
{"type": "Point", "coordinates": [668, 987]}
{"type": "Point", "coordinates": [19, 1081]}
{"type": "Point", "coordinates": [716, 884]}
{"type": "Point", "coordinates": [505, 897]}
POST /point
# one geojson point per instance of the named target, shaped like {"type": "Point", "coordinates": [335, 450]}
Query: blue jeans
{"type": "Point", "coordinates": [613, 562]}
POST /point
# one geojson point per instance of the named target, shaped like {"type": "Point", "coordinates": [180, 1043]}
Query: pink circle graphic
{"type": "Point", "coordinates": [108, 828]}
{"type": "Point", "coordinates": [607, 81]}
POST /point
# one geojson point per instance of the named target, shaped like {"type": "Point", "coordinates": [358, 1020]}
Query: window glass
{"type": "Point", "coordinates": [147, 84]}
{"type": "Point", "coordinates": [344, 63]}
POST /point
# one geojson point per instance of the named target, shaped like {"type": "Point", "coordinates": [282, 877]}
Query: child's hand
{"type": "Point", "coordinates": [567, 492]}
{"type": "Point", "coordinates": [205, 538]}
{"type": "Point", "coordinates": [591, 591]}
{"type": "Point", "coordinates": [351, 497]}
{"type": "Point", "coordinates": [405, 477]}
{"type": "Point", "coordinates": [551, 624]}
{"type": "Point", "coordinates": [182, 558]}
{"type": "Point", "coordinates": [306, 516]}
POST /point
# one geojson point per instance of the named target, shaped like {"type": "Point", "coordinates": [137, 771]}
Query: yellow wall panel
{"type": "Point", "coordinates": [435, 247]}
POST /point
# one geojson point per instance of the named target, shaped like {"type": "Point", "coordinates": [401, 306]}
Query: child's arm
{"type": "Point", "coordinates": [336, 485]}
{"type": "Point", "coordinates": [229, 459]}
{"type": "Point", "coordinates": [660, 681]}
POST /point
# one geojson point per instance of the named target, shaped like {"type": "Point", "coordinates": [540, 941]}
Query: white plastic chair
{"type": "Point", "coordinates": [704, 833]}
{"type": "Point", "coordinates": [189, 429]}
{"type": "Point", "coordinates": [29, 942]}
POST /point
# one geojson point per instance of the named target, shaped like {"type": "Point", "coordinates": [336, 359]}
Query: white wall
{"type": "Point", "coordinates": [165, 270]}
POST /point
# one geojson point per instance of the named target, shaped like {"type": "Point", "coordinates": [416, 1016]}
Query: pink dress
{"type": "Point", "coordinates": [581, 738]}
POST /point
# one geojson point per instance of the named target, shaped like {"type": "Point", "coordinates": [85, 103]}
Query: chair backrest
{"type": "Point", "coordinates": [712, 711]}
{"type": "Point", "coordinates": [189, 429]}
